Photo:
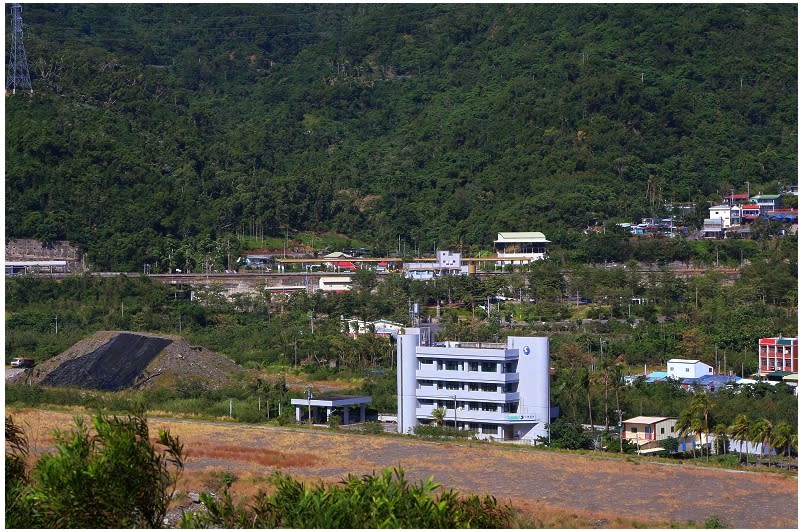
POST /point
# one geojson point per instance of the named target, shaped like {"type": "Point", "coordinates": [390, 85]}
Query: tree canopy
{"type": "Point", "coordinates": [154, 131]}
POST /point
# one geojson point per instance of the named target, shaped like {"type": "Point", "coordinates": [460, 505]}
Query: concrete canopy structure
{"type": "Point", "coordinates": [330, 405]}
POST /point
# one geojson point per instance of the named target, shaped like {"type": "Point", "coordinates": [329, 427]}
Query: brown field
{"type": "Point", "coordinates": [555, 489]}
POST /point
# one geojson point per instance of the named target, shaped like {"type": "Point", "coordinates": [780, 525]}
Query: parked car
{"type": "Point", "coordinates": [21, 362]}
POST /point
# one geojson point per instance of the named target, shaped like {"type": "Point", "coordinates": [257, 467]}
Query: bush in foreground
{"type": "Point", "coordinates": [387, 500]}
{"type": "Point", "coordinates": [113, 476]}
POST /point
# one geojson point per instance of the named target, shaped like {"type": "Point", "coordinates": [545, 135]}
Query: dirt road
{"type": "Point", "coordinates": [600, 487]}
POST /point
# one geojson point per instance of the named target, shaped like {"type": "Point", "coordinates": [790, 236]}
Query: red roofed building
{"type": "Point", "coordinates": [750, 212]}
{"type": "Point", "coordinates": [777, 354]}
{"type": "Point", "coordinates": [734, 199]}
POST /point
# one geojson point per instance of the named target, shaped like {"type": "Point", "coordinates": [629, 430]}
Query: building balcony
{"type": "Point", "coordinates": [431, 373]}
{"type": "Point", "coordinates": [478, 416]}
{"type": "Point", "coordinates": [431, 392]}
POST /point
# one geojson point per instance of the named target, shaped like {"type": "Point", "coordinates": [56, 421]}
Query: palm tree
{"type": "Point", "coordinates": [586, 382]}
{"type": "Point", "coordinates": [740, 430]}
{"type": "Point", "coordinates": [762, 432]}
{"type": "Point", "coordinates": [438, 415]}
{"type": "Point", "coordinates": [721, 432]}
{"type": "Point", "coordinates": [699, 407]}
{"type": "Point", "coordinates": [616, 375]}
{"type": "Point", "coordinates": [782, 437]}
{"type": "Point", "coordinates": [686, 425]}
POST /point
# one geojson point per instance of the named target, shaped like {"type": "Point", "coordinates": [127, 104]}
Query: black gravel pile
{"type": "Point", "coordinates": [113, 366]}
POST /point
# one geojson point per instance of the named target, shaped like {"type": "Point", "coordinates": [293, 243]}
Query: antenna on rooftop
{"type": "Point", "coordinates": [17, 75]}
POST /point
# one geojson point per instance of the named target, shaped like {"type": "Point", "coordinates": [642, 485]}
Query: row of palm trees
{"type": "Point", "coordinates": [779, 436]}
{"type": "Point", "coordinates": [697, 419]}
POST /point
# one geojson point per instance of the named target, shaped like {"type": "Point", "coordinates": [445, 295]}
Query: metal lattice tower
{"type": "Point", "coordinates": [17, 75]}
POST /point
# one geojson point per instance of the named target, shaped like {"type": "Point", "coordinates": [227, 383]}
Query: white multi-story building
{"type": "Point", "coordinates": [499, 391]}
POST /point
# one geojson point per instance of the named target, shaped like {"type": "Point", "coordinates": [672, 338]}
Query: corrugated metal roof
{"type": "Point", "coordinates": [646, 420]}
{"type": "Point", "coordinates": [531, 236]}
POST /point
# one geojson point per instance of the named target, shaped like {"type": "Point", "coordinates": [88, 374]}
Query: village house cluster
{"type": "Point", "coordinates": [735, 215]}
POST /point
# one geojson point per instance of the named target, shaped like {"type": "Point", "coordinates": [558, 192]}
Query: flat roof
{"type": "Point", "coordinates": [530, 236]}
{"type": "Point", "coordinates": [334, 400]}
{"type": "Point", "coordinates": [646, 420]}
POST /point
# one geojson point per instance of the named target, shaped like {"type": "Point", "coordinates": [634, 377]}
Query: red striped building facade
{"type": "Point", "coordinates": [777, 354]}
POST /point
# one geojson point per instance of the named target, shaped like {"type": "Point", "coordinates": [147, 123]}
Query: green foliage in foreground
{"type": "Point", "coordinates": [113, 477]}
{"type": "Point", "coordinates": [386, 500]}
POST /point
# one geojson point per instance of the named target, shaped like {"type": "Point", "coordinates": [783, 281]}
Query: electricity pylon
{"type": "Point", "coordinates": [17, 75]}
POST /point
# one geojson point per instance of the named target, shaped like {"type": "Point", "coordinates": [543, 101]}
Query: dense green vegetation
{"type": "Point", "coordinates": [165, 134]}
{"type": "Point", "coordinates": [385, 500]}
{"type": "Point", "coordinates": [115, 477]}
{"type": "Point", "coordinates": [301, 334]}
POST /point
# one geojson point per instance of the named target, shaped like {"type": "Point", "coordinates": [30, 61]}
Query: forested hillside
{"type": "Point", "coordinates": [155, 130]}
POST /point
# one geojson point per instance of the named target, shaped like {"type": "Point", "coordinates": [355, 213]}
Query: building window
{"type": "Point", "coordinates": [450, 365]}
{"type": "Point", "coordinates": [473, 366]}
{"type": "Point", "coordinates": [452, 385]}
{"type": "Point", "coordinates": [489, 367]}
{"type": "Point", "coordinates": [634, 430]}
{"type": "Point", "coordinates": [489, 429]}
{"type": "Point", "coordinates": [662, 430]}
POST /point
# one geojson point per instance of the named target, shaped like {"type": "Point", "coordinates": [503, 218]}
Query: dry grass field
{"type": "Point", "coordinates": [556, 490]}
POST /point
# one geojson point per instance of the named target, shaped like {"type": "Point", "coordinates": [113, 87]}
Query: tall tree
{"type": "Point", "coordinates": [740, 431]}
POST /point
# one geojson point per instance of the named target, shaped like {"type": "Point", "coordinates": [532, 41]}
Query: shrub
{"type": "Point", "coordinates": [372, 427]}
{"type": "Point", "coordinates": [714, 521]}
{"type": "Point", "coordinates": [116, 478]}
{"type": "Point", "coordinates": [387, 500]}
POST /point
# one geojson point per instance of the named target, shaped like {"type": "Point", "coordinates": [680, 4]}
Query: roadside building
{"type": "Point", "coordinates": [713, 228]}
{"type": "Point", "coordinates": [335, 284]}
{"type": "Point", "coordinates": [447, 263]}
{"type": "Point", "coordinates": [678, 368]}
{"type": "Point", "coordinates": [777, 354]}
{"type": "Point", "coordinates": [722, 212]}
{"type": "Point", "coordinates": [767, 202]}
{"type": "Point", "coordinates": [649, 432]}
{"type": "Point", "coordinates": [750, 212]}
{"type": "Point", "coordinates": [500, 391]}
{"type": "Point", "coordinates": [354, 327]}
{"type": "Point", "coordinates": [520, 248]}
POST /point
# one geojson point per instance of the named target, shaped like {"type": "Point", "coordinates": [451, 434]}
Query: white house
{"type": "Point", "coordinates": [520, 248]}
{"type": "Point", "coordinates": [498, 390]}
{"type": "Point", "coordinates": [335, 284]}
{"type": "Point", "coordinates": [446, 263]}
{"type": "Point", "coordinates": [680, 369]}
{"type": "Point", "coordinates": [354, 327]}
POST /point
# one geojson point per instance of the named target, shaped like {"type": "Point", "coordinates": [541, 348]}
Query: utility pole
{"type": "Point", "coordinates": [310, 396]}
{"type": "Point", "coordinates": [17, 75]}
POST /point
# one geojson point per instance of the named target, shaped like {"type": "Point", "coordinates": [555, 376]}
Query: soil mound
{"type": "Point", "coordinates": [116, 360]}
{"type": "Point", "coordinates": [115, 365]}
